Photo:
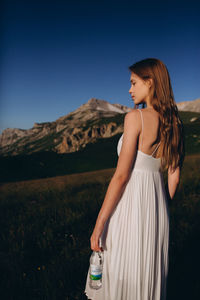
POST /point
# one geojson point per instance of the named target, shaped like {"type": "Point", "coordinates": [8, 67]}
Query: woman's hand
{"type": "Point", "coordinates": [94, 239]}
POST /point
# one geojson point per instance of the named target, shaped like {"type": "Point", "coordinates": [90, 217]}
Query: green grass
{"type": "Point", "coordinates": [45, 230]}
{"type": "Point", "coordinates": [46, 225]}
{"type": "Point", "coordinates": [46, 222]}
{"type": "Point", "coordinates": [96, 156]}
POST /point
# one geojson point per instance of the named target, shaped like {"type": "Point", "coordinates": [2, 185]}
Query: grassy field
{"type": "Point", "coordinates": [48, 208]}
{"type": "Point", "coordinates": [46, 226]}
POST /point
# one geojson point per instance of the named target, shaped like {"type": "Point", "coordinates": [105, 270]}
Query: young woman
{"type": "Point", "coordinates": [133, 223]}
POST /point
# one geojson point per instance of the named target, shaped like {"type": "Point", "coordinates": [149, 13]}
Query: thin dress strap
{"type": "Point", "coordinates": [155, 149]}
{"type": "Point", "coordinates": [142, 126]}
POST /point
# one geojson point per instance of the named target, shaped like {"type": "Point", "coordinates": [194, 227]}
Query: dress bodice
{"type": "Point", "coordinates": [143, 161]}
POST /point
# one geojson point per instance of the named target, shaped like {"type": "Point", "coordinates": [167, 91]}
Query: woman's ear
{"type": "Point", "coordinates": [150, 82]}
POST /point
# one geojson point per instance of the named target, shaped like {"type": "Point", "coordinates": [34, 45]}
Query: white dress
{"type": "Point", "coordinates": [136, 236]}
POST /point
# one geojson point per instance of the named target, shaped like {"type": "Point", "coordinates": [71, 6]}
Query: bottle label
{"type": "Point", "coordinates": [95, 272]}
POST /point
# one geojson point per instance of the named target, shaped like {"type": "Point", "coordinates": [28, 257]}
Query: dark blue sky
{"type": "Point", "coordinates": [56, 55]}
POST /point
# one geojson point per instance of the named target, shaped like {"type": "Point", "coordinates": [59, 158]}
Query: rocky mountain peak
{"type": "Point", "coordinates": [96, 104]}
{"type": "Point", "coordinates": [193, 105]}
{"type": "Point", "coordinates": [73, 131]}
{"type": "Point", "coordinates": [68, 133]}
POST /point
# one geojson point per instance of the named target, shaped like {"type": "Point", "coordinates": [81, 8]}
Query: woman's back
{"type": "Point", "coordinates": [149, 137]}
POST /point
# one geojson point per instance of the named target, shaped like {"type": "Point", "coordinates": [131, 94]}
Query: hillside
{"type": "Point", "coordinates": [101, 154]}
{"type": "Point", "coordinates": [46, 226]}
{"type": "Point", "coordinates": [96, 119]}
{"type": "Point", "coordinates": [69, 133]}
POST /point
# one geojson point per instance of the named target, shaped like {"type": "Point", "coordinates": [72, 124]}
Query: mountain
{"type": "Point", "coordinates": [193, 105]}
{"type": "Point", "coordinates": [69, 133]}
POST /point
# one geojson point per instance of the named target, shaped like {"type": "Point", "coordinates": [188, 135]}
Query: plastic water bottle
{"type": "Point", "coordinates": [96, 268]}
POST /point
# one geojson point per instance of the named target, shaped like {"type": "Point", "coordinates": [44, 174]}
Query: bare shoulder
{"type": "Point", "coordinates": [132, 115]}
{"type": "Point", "coordinates": [132, 119]}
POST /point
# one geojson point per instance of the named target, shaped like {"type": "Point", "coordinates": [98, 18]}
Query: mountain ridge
{"type": "Point", "coordinates": [92, 120]}
{"type": "Point", "coordinates": [68, 133]}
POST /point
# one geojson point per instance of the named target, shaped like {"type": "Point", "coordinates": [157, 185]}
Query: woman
{"type": "Point", "coordinates": [133, 223]}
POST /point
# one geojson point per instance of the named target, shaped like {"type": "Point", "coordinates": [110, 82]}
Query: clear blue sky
{"type": "Point", "coordinates": [56, 55]}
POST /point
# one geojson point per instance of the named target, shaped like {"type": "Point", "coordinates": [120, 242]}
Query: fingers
{"type": "Point", "coordinates": [95, 245]}
{"type": "Point", "coordinates": [97, 249]}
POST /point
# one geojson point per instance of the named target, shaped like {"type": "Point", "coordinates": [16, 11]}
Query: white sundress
{"type": "Point", "coordinates": [135, 238]}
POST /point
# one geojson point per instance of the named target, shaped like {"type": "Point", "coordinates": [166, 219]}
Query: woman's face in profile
{"type": "Point", "coordinates": [139, 90]}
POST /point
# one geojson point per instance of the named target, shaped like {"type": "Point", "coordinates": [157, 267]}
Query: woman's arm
{"type": "Point", "coordinates": [121, 175]}
{"type": "Point", "coordinates": [173, 181]}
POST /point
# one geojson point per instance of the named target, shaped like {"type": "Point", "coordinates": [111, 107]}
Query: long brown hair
{"type": "Point", "coordinates": [171, 129]}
